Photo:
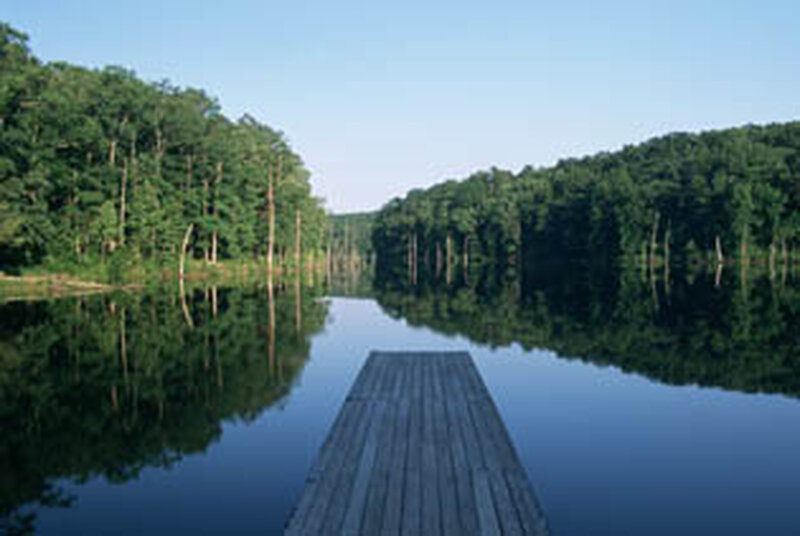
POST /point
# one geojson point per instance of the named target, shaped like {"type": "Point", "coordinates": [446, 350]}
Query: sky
{"type": "Point", "coordinates": [382, 97]}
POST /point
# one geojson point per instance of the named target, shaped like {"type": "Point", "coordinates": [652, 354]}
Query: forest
{"type": "Point", "coordinates": [714, 197]}
{"type": "Point", "coordinates": [103, 172]}
{"type": "Point", "coordinates": [351, 241]}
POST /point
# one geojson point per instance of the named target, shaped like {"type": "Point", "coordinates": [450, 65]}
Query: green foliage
{"type": "Point", "coordinates": [682, 190]}
{"type": "Point", "coordinates": [123, 263]}
{"type": "Point", "coordinates": [351, 237]}
{"type": "Point", "coordinates": [98, 166]}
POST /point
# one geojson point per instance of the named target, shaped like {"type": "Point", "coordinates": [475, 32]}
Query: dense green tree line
{"type": "Point", "coordinates": [724, 194]}
{"type": "Point", "coordinates": [104, 386]}
{"type": "Point", "coordinates": [738, 335]}
{"type": "Point", "coordinates": [351, 240]}
{"type": "Point", "coordinates": [100, 168]}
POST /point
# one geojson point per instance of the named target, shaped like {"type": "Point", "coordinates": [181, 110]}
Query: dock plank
{"type": "Point", "coordinates": [393, 508]}
{"type": "Point", "coordinates": [345, 486]}
{"type": "Point", "coordinates": [448, 500]}
{"type": "Point", "coordinates": [454, 409]}
{"type": "Point", "coordinates": [418, 448]}
{"type": "Point", "coordinates": [379, 479]}
{"type": "Point", "coordinates": [430, 488]}
{"type": "Point", "coordinates": [412, 490]}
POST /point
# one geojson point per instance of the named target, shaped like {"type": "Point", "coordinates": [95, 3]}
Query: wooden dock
{"type": "Point", "coordinates": [418, 448]}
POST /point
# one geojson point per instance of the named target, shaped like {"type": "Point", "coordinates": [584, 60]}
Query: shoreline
{"type": "Point", "coordinates": [15, 288]}
{"type": "Point", "coordinates": [39, 286]}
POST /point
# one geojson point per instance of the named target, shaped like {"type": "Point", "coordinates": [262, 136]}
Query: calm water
{"type": "Point", "coordinates": [636, 408]}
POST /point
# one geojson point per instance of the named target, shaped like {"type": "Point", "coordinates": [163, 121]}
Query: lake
{"type": "Point", "coordinates": [637, 404]}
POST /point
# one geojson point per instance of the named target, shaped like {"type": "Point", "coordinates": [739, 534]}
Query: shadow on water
{"type": "Point", "coordinates": [713, 328]}
{"type": "Point", "coordinates": [107, 385]}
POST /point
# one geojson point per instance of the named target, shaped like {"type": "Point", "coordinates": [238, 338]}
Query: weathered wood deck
{"type": "Point", "coordinates": [417, 448]}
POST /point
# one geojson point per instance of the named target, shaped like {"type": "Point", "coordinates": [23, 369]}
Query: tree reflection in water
{"type": "Point", "coordinates": [736, 334]}
{"type": "Point", "coordinates": [109, 385]}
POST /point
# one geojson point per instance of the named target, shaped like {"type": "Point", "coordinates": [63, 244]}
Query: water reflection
{"type": "Point", "coordinates": [109, 385]}
{"type": "Point", "coordinates": [709, 329]}
{"type": "Point", "coordinates": [102, 387]}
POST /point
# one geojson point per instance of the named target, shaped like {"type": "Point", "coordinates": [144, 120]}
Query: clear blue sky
{"type": "Point", "coordinates": [380, 97]}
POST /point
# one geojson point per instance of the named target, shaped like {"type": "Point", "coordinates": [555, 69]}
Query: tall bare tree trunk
{"type": "Point", "coordinates": [465, 251]}
{"type": "Point", "coordinates": [189, 172]}
{"type": "Point", "coordinates": [773, 253]}
{"type": "Point", "coordinates": [134, 165]}
{"type": "Point", "coordinates": [272, 180]}
{"type": "Point", "coordinates": [718, 248]}
{"type": "Point", "coordinates": [109, 244]}
{"type": "Point", "coordinates": [448, 252]}
{"type": "Point", "coordinates": [269, 199]}
{"type": "Point", "coordinates": [448, 259]}
{"type": "Point", "coordinates": [215, 233]}
{"type": "Point", "coordinates": [298, 222]}
{"type": "Point", "coordinates": [206, 248]}
{"type": "Point", "coordinates": [122, 196]}
{"type": "Point", "coordinates": [184, 245]}
{"type": "Point", "coordinates": [653, 238]}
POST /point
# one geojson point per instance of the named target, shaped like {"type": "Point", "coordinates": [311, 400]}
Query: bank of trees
{"type": "Point", "coordinates": [98, 167]}
{"type": "Point", "coordinates": [351, 241]}
{"type": "Point", "coordinates": [714, 196]}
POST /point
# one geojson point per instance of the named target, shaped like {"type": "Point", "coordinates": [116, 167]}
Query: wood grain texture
{"type": "Point", "coordinates": [418, 448]}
